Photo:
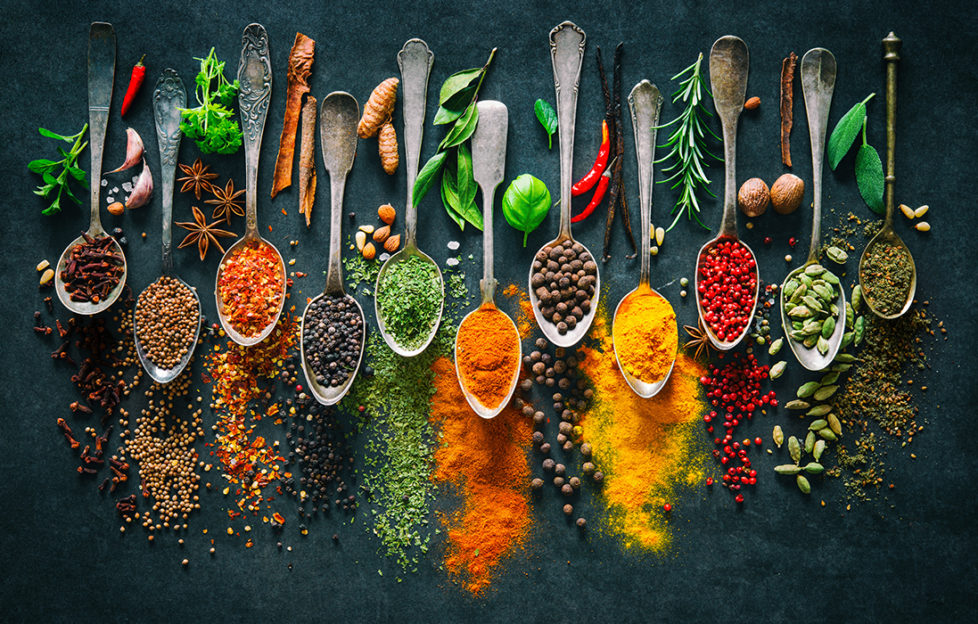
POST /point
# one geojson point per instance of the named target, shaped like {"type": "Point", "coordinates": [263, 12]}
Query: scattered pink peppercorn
{"type": "Point", "coordinates": [667, 508]}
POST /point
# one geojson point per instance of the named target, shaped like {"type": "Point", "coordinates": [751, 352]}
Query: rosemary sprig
{"type": "Point", "coordinates": [687, 143]}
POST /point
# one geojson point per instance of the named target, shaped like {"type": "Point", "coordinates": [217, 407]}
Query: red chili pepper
{"type": "Point", "coordinates": [135, 82]}
{"type": "Point", "coordinates": [584, 184]}
{"type": "Point", "coordinates": [598, 194]}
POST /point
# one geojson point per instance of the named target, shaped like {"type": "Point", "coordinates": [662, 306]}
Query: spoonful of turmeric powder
{"type": "Point", "coordinates": [644, 328]}
{"type": "Point", "coordinates": [487, 346]}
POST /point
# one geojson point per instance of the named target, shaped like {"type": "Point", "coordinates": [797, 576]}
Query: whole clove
{"type": "Point", "coordinates": [93, 269]}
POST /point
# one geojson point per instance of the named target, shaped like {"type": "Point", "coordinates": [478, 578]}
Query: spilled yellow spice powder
{"type": "Point", "coordinates": [647, 448]}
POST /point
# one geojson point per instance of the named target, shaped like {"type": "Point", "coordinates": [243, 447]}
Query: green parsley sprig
{"type": "Point", "coordinates": [687, 143]}
{"type": "Point", "coordinates": [211, 124]}
{"type": "Point", "coordinates": [56, 185]}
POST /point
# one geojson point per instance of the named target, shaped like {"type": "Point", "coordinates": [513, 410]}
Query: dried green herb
{"type": "Point", "coordinates": [409, 300]}
{"type": "Point", "coordinates": [886, 276]}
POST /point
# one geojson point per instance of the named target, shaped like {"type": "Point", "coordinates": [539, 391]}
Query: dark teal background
{"type": "Point", "coordinates": [909, 556]}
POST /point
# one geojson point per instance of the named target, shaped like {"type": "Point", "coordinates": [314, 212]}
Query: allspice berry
{"type": "Point", "coordinates": [753, 197]}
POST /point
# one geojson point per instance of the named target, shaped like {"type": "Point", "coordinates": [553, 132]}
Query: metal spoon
{"type": "Point", "coordinates": [488, 165]}
{"type": "Point", "coordinates": [567, 53]}
{"type": "Point", "coordinates": [168, 98]}
{"type": "Point", "coordinates": [255, 76]}
{"type": "Point", "coordinates": [818, 70]}
{"type": "Point", "coordinates": [338, 137]}
{"type": "Point", "coordinates": [729, 62]}
{"type": "Point", "coordinates": [414, 60]}
{"type": "Point", "coordinates": [891, 54]}
{"type": "Point", "coordinates": [101, 73]}
{"type": "Point", "coordinates": [645, 102]}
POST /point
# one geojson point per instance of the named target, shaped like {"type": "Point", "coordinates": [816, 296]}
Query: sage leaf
{"type": "Point", "coordinates": [426, 177]}
{"type": "Point", "coordinates": [457, 82]}
{"type": "Point", "coordinates": [547, 117]}
{"type": "Point", "coordinates": [526, 203]}
{"type": "Point", "coordinates": [449, 198]}
{"type": "Point", "coordinates": [845, 133]}
{"type": "Point", "coordinates": [869, 177]}
{"type": "Point", "coordinates": [463, 128]}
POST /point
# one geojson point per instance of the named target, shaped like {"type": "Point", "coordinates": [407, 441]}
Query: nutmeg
{"type": "Point", "coordinates": [381, 233]}
{"type": "Point", "coordinates": [387, 214]}
{"type": "Point", "coordinates": [753, 197]}
{"type": "Point", "coordinates": [393, 243]}
{"type": "Point", "coordinates": [787, 193]}
{"type": "Point", "coordinates": [369, 251]}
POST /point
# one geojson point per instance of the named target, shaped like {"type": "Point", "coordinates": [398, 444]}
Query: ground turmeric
{"type": "Point", "coordinates": [487, 461]}
{"type": "Point", "coordinates": [487, 352]}
{"type": "Point", "coordinates": [645, 447]}
{"type": "Point", "coordinates": [378, 109]}
{"type": "Point", "coordinates": [645, 335]}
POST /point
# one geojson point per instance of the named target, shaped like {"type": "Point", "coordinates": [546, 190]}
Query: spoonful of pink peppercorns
{"type": "Point", "coordinates": [726, 269]}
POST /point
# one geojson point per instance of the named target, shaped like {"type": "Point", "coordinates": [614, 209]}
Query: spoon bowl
{"type": "Point", "coordinates": [567, 42]}
{"type": "Point", "coordinates": [101, 73]}
{"type": "Point", "coordinates": [645, 103]}
{"type": "Point", "coordinates": [168, 98]}
{"type": "Point", "coordinates": [891, 54]}
{"type": "Point", "coordinates": [414, 60]}
{"type": "Point", "coordinates": [818, 72]}
{"type": "Point", "coordinates": [338, 138]}
{"type": "Point", "coordinates": [729, 63]}
{"type": "Point", "coordinates": [255, 77]}
{"type": "Point", "coordinates": [488, 166]}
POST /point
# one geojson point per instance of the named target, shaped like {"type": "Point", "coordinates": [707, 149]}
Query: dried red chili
{"type": "Point", "coordinates": [598, 194]}
{"type": "Point", "coordinates": [250, 288]}
{"type": "Point", "coordinates": [600, 163]}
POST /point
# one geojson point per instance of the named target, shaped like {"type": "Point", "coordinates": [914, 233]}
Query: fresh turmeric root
{"type": "Point", "coordinates": [378, 109]}
{"type": "Point", "coordinates": [387, 145]}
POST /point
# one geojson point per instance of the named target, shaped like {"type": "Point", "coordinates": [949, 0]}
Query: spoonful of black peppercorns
{"type": "Point", "coordinates": [332, 324]}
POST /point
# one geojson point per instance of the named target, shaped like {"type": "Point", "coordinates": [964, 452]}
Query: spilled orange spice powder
{"type": "Point", "coordinates": [486, 461]}
{"type": "Point", "coordinates": [647, 448]}
{"type": "Point", "coordinates": [524, 313]}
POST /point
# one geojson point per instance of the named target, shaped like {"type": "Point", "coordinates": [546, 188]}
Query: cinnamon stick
{"type": "Point", "coordinates": [787, 105]}
{"type": "Point", "coordinates": [300, 66]}
{"type": "Point", "coordinates": [307, 159]}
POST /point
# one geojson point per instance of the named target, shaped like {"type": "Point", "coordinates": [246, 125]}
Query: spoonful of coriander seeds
{"type": "Point", "coordinates": [166, 320]}
{"type": "Point", "coordinates": [727, 282]}
{"type": "Point", "coordinates": [91, 272]}
{"type": "Point", "coordinates": [333, 326]}
{"type": "Point", "coordinates": [564, 281]}
{"type": "Point", "coordinates": [488, 350]}
{"type": "Point", "coordinates": [250, 288]}
{"type": "Point", "coordinates": [644, 330]}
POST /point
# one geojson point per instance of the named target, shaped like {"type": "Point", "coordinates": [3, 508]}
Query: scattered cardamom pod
{"type": "Point", "coordinates": [814, 468]}
{"type": "Point", "coordinates": [794, 449]}
{"type": "Point", "coordinates": [824, 392]}
{"type": "Point", "coordinates": [858, 330]}
{"type": "Point", "coordinates": [821, 423]}
{"type": "Point", "coordinates": [819, 410]}
{"type": "Point", "coordinates": [803, 484]}
{"type": "Point", "coordinates": [829, 378]}
{"type": "Point", "coordinates": [787, 469]}
{"type": "Point", "coordinates": [797, 404]}
{"type": "Point", "coordinates": [828, 434]}
{"type": "Point", "coordinates": [836, 255]}
{"type": "Point", "coordinates": [777, 435]}
{"type": "Point", "coordinates": [845, 358]}
{"type": "Point", "coordinates": [775, 346]}
{"type": "Point", "coordinates": [809, 442]}
{"type": "Point", "coordinates": [857, 297]}
{"type": "Point", "coordinates": [808, 389]}
{"type": "Point", "coordinates": [818, 450]}
{"type": "Point", "coordinates": [777, 370]}
{"type": "Point", "coordinates": [834, 424]}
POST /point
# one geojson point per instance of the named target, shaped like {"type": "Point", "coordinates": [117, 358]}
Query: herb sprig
{"type": "Point", "coordinates": [869, 167]}
{"type": "Point", "coordinates": [687, 143]}
{"type": "Point", "coordinates": [456, 106]}
{"type": "Point", "coordinates": [211, 124]}
{"type": "Point", "coordinates": [56, 185]}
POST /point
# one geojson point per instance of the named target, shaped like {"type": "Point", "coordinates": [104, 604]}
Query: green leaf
{"type": "Point", "coordinates": [463, 128]}
{"type": "Point", "coordinates": [426, 177]}
{"type": "Point", "coordinates": [526, 203]}
{"type": "Point", "coordinates": [41, 165]}
{"type": "Point", "coordinates": [548, 119]}
{"type": "Point", "coordinates": [869, 177]}
{"type": "Point", "coordinates": [77, 173]}
{"type": "Point", "coordinates": [465, 181]}
{"type": "Point", "coordinates": [457, 82]}
{"type": "Point", "coordinates": [444, 116]}
{"type": "Point", "coordinates": [845, 132]}
{"type": "Point", "coordinates": [449, 197]}
{"type": "Point", "coordinates": [54, 135]}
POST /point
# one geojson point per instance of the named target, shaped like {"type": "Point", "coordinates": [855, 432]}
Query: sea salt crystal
{"type": "Point", "coordinates": [452, 262]}
{"type": "Point", "coordinates": [109, 200]}
{"type": "Point", "coordinates": [384, 257]}
{"type": "Point", "coordinates": [105, 182]}
{"type": "Point", "coordinates": [453, 245]}
{"type": "Point", "coordinates": [127, 187]}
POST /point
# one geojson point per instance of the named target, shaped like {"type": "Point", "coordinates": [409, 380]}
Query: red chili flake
{"type": "Point", "coordinates": [250, 288]}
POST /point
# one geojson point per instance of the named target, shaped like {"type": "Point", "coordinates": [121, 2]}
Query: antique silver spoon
{"type": "Point", "coordinates": [338, 137]}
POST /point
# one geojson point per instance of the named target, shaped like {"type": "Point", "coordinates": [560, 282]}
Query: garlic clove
{"type": "Point", "coordinates": [142, 190]}
{"type": "Point", "coordinates": [134, 150]}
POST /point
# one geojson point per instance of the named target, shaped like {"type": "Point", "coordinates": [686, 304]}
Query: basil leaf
{"type": "Point", "coordinates": [548, 119]}
{"type": "Point", "coordinates": [457, 82]}
{"type": "Point", "coordinates": [869, 177]}
{"type": "Point", "coordinates": [845, 132]}
{"type": "Point", "coordinates": [54, 135]}
{"type": "Point", "coordinates": [426, 177]}
{"type": "Point", "coordinates": [41, 165]}
{"type": "Point", "coordinates": [449, 197]}
{"type": "Point", "coordinates": [526, 203]}
{"type": "Point", "coordinates": [463, 128]}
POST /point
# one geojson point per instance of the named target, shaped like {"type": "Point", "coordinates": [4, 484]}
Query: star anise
{"type": "Point", "coordinates": [202, 233]}
{"type": "Point", "coordinates": [225, 201]}
{"type": "Point", "coordinates": [196, 178]}
{"type": "Point", "coordinates": [698, 340]}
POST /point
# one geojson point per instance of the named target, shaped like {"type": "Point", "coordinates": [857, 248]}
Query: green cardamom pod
{"type": "Point", "coordinates": [850, 315]}
{"type": "Point", "coordinates": [796, 404]}
{"type": "Point", "coordinates": [828, 434]}
{"type": "Point", "coordinates": [777, 435]}
{"type": "Point", "coordinates": [828, 328]}
{"type": "Point", "coordinates": [845, 358]}
{"type": "Point", "coordinates": [819, 410]}
{"type": "Point", "coordinates": [824, 392]}
{"type": "Point", "coordinates": [794, 449]}
{"type": "Point", "coordinates": [822, 345]}
{"type": "Point", "coordinates": [775, 346]}
{"type": "Point", "coordinates": [858, 330]}
{"type": "Point", "coordinates": [830, 277]}
{"type": "Point", "coordinates": [778, 369]}
{"type": "Point", "coordinates": [818, 450]}
{"type": "Point", "coordinates": [789, 288]}
{"type": "Point", "coordinates": [836, 255]}
{"type": "Point", "coordinates": [808, 389]}
{"type": "Point", "coordinates": [840, 368]}
{"type": "Point", "coordinates": [787, 469]}
{"type": "Point", "coordinates": [800, 312]}
{"type": "Point", "coordinates": [814, 270]}
{"type": "Point", "coordinates": [803, 484]}
{"type": "Point", "coordinates": [857, 297]}
{"type": "Point", "coordinates": [846, 340]}
{"type": "Point", "coordinates": [809, 442]}
{"type": "Point", "coordinates": [834, 424]}
{"type": "Point", "coordinates": [829, 378]}
{"type": "Point", "coordinates": [814, 468]}
{"type": "Point", "coordinates": [821, 423]}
